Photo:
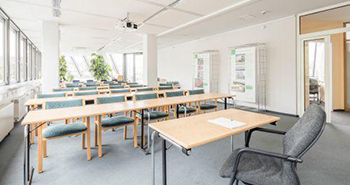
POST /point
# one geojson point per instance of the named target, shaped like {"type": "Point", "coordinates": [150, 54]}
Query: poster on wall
{"type": "Point", "coordinates": [243, 73]}
{"type": "Point", "coordinates": [201, 79]}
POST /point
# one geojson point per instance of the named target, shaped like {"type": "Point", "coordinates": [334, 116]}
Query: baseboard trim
{"type": "Point", "coordinates": [281, 113]}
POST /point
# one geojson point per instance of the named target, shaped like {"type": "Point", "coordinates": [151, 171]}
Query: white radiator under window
{"type": "Point", "coordinates": [20, 108]}
{"type": "Point", "coordinates": [6, 120]}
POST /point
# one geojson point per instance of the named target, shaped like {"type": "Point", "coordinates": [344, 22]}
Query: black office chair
{"type": "Point", "coordinates": [252, 166]}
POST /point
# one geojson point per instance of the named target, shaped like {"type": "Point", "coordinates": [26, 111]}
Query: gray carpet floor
{"type": "Point", "coordinates": [328, 162]}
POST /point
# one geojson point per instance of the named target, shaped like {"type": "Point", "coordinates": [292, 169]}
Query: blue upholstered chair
{"type": "Point", "coordinates": [135, 85]}
{"type": "Point", "coordinates": [109, 82]}
{"type": "Point", "coordinates": [144, 89]}
{"type": "Point", "coordinates": [53, 131]}
{"type": "Point", "coordinates": [131, 83]}
{"type": "Point", "coordinates": [153, 114]}
{"type": "Point", "coordinates": [183, 109]}
{"type": "Point", "coordinates": [87, 88]}
{"type": "Point", "coordinates": [86, 93]}
{"type": "Point", "coordinates": [72, 85]}
{"type": "Point", "coordinates": [253, 166]}
{"type": "Point", "coordinates": [118, 91]}
{"type": "Point", "coordinates": [53, 95]}
{"type": "Point", "coordinates": [116, 86]}
{"type": "Point", "coordinates": [165, 88]}
{"type": "Point", "coordinates": [91, 84]}
{"type": "Point", "coordinates": [202, 107]}
{"type": "Point", "coordinates": [63, 90]}
{"type": "Point", "coordinates": [112, 121]}
{"type": "Point", "coordinates": [89, 81]}
{"type": "Point", "coordinates": [76, 81]}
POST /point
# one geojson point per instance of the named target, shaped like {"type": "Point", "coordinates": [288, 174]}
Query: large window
{"type": "Point", "coordinates": [29, 61]}
{"type": "Point", "coordinates": [139, 68]}
{"type": "Point", "coordinates": [2, 51]}
{"type": "Point", "coordinates": [13, 55]}
{"type": "Point", "coordinates": [22, 61]}
{"type": "Point", "coordinates": [33, 62]}
{"type": "Point", "coordinates": [130, 67]}
{"type": "Point", "coordinates": [118, 64]}
{"type": "Point", "coordinates": [82, 66]}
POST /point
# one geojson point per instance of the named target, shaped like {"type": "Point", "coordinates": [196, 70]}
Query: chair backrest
{"type": "Point", "coordinates": [87, 88]}
{"type": "Point", "coordinates": [115, 91]}
{"type": "Point", "coordinates": [72, 85]}
{"type": "Point", "coordinates": [85, 93]}
{"type": "Point", "coordinates": [111, 99]}
{"type": "Point", "coordinates": [63, 90]}
{"type": "Point", "coordinates": [144, 89]}
{"type": "Point", "coordinates": [132, 83]}
{"type": "Point", "coordinates": [196, 91]}
{"type": "Point", "coordinates": [145, 96]}
{"type": "Point", "coordinates": [89, 81]}
{"type": "Point", "coordinates": [76, 81]}
{"type": "Point", "coordinates": [174, 94]}
{"type": "Point", "coordinates": [116, 86]}
{"type": "Point", "coordinates": [165, 87]}
{"type": "Point", "coordinates": [303, 135]}
{"type": "Point", "coordinates": [63, 104]}
{"type": "Point", "coordinates": [108, 82]}
{"type": "Point", "coordinates": [39, 96]}
{"type": "Point", "coordinates": [135, 85]}
{"type": "Point", "coordinates": [91, 84]}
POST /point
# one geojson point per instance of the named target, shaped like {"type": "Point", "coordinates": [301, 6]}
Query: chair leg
{"type": "Point", "coordinates": [88, 139]}
{"type": "Point", "coordinates": [148, 138]}
{"type": "Point", "coordinates": [40, 150]}
{"type": "Point", "coordinates": [83, 141]}
{"type": "Point", "coordinates": [32, 126]}
{"type": "Point", "coordinates": [125, 132]}
{"type": "Point", "coordinates": [99, 138]}
{"type": "Point", "coordinates": [44, 145]}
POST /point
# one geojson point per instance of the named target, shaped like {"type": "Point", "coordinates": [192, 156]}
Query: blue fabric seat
{"type": "Point", "coordinates": [135, 85]}
{"type": "Point", "coordinates": [146, 96]}
{"type": "Point", "coordinates": [91, 84]}
{"type": "Point", "coordinates": [120, 91]}
{"type": "Point", "coordinates": [87, 88]}
{"type": "Point", "coordinates": [63, 130]}
{"type": "Point", "coordinates": [63, 90]}
{"type": "Point", "coordinates": [86, 93]}
{"type": "Point", "coordinates": [39, 96]}
{"type": "Point", "coordinates": [116, 121]}
{"type": "Point", "coordinates": [111, 99]}
{"type": "Point", "coordinates": [116, 86]}
{"type": "Point", "coordinates": [154, 115]}
{"type": "Point", "coordinates": [196, 91]}
{"type": "Point", "coordinates": [165, 87]}
{"type": "Point", "coordinates": [174, 94]}
{"type": "Point", "coordinates": [72, 85]}
{"type": "Point", "coordinates": [207, 106]}
{"type": "Point", "coordinates": [63, 104]}
{"type": "Point", "coordinates": [188, 110]}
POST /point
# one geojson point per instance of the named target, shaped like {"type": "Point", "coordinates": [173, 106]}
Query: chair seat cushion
{"type": "Point", "coordinates": [155, 115]}
{"type": "Point", "coordinates": [188, 110]}
{"type": "Point", "coordinates": [258, 169]}
{"type": "Point", "coordinates": [207, 106]}
{"type": "Point", "coordinates": [116, 121]}
{"type": "Point", "coordinates": [63, 130]}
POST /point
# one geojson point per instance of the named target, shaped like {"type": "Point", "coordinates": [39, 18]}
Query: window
{"type": "Point", "coordinates": [2, 51]}
{"type": "Point", "coordinates": [22, 61]}
{"type": "Point", "coordinates": [83, 67]}
{"type": "Point", "coordinates": [33, 63]}
{"type": "Point", "coordinates": [29, 61]}
{"type": "Point", "coordinates": [130, 67]}
{"type": "Point", "coordinates": [118, 62]}
{"type": "Point", "coordinates": [139, 68]}
{"type": "Point", "coordinates": [72, 69]}
{"type": "Point", "coordinates": [316, 60]}
{"type": "Point", "coordinates": [13, 55]}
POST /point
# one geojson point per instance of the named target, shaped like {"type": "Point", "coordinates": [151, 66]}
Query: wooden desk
{"type": "Point", "coordinates": [190, 132]}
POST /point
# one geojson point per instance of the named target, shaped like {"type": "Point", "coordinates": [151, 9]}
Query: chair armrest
{"type": "Point", "coordinates": [265, 153]}
{"type": "Point", "coordinates": [271, 131]}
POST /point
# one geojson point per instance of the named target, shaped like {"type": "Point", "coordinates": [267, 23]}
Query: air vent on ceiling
{"type": "Point", "coordinates": [79, 48]}
{"type": "Point", "coordinates": [246, 17]}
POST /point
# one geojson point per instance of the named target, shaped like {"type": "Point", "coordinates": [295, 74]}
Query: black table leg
{"type": "Point", "coordinates": [164, 175]}
{"type": "Point", "coordinates": [177, 111]}
{"type": "Point", "coordinates": [28, 170]}
{"type": "Point", "coordinates": [225, 103]}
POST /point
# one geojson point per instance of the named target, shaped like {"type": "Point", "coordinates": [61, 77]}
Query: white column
{"type": "Point", "coordinates": [50, 56]}
{"type": "Point", "coordinates": [150, 69]}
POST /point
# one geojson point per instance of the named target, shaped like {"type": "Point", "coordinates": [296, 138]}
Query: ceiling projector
{"type": "Point", "coordinates": [126, 25]}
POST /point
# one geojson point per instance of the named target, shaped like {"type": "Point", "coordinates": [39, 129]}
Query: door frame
{"type": "Point", "coordinates": [328, 75]}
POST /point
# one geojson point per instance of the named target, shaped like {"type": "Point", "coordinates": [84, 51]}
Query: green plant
{"type": "Point", "coordinates": [63, 68]}
{"type": "Point", "coordinates": [99, 68]}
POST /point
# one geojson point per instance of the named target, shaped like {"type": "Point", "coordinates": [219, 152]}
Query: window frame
{"type": "Point", "coordinates": [14, 29]}
{"type": "Point", "coordinates": [4, 20]}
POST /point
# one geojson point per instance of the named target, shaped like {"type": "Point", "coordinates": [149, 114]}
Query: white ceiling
{"type": "Point", "coordinates": [90, 23]}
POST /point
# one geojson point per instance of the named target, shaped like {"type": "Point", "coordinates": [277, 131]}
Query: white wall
{"type": "Point", "coordinates": [176, 62]}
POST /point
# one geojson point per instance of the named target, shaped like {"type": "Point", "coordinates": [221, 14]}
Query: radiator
{"type": "Point", "coordinates": [7, 120]}
{"type": "Point", "coordinates": [20, 108]}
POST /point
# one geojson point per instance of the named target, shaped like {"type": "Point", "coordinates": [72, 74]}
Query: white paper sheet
{"type": "Point", "coordinates": [228, 123]}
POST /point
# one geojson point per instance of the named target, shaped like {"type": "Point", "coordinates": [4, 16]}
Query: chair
{"type": "Point", "coordinates": [76, 81]}
{"type": "Point", "coordinates": [144, 89]}
{"type": "Point", "coordinates": [116, 91]}
{"type": "Point", "coordinates": [152, 114]}
{"type": "Point", "coordinates": [72, 85]}
{"type": "Point", "coordinates": [63, 90]}
{"type": "Point", "coordinates": [135, 85]}
{"type": "Point", "coordinates": [63, 130]}
{"type": "Point", "coordinates": [183, 109]}
{"type": "Point", "coordinates": [89, 81]}
{"type": "Point", "coordinates": [252, 166]}
{"type": "Point", "coordinates": [86, 93]}
{"type": "Point", "coordinates": [116, 86]}
{"type": "Point", "coordinates": [314, 89]}
{"type": "Point", "coordinates": [109, 82]}
{"type": "Point", "coordinates": [132, 83]}
{"type": "Point", "coordinates": [112, 122]}
{"type": "Point", "coordinates": [91, 84]}
{"type": "Point", "coordinates": [87, 88]}
{"type": "Point", "coordinates": [165, 88]}
{"type": "Point", "coordinates": [203, 106]}
{"type": "Point", "coordinates": [54, 95]}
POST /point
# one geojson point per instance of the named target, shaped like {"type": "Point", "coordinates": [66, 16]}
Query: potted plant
{"type": "Point", "coordinates": [99, 68]}
{"type": "Point", "coordinates": [63, 68]}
